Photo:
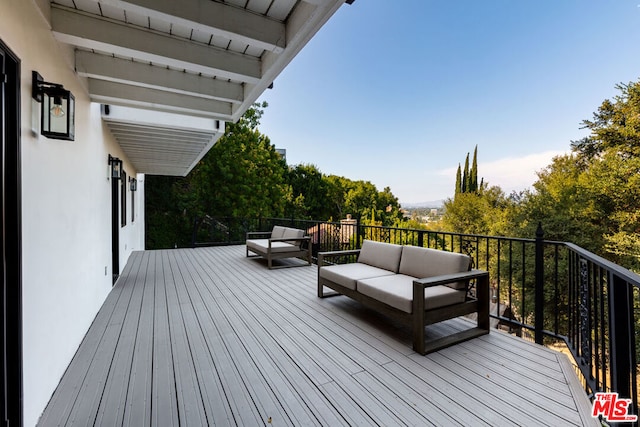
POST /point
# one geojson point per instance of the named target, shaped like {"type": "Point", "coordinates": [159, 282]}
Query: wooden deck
{"type": "Point", "coordinates": [205, 336]}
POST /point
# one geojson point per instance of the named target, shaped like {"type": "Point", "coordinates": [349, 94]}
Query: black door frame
{"type": "Point", "coordinates": [11, 404]}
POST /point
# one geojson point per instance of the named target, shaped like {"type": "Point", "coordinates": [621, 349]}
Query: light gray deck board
{"type": "Point", "coordinates": [208, 337]}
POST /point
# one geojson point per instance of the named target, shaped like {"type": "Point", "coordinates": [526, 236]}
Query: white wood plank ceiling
{"type": "Point", "coordinates": [200, 58]}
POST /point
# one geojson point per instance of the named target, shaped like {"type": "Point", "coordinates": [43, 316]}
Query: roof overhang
{"type": "Point", "coordinates": [161, 143]}
{"type": "Point", "coordinates": [204, 59]}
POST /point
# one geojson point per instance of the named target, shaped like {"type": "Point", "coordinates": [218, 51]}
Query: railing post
{"type": "Point", "coordinates": [620, 318]}
{"type": "Point", "coordinates": [421, 238]}
{"type": "Point", "coordinates": [194, 232]}
{"type": "Point", "coordinates": [539, 285]}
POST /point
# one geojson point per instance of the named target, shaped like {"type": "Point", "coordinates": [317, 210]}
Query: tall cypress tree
{"type": "Point", "coordinates": [458, 180]}
{"type": "Point", "coordinates": [465, 176]}
{"type": "Point", "coordinates": [467, 180]}
{"type": "Point", "coordinates": [473, 178]}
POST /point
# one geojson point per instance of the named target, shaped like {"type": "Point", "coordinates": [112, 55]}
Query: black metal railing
{"type": "Point", "coordinates": [553, 293]}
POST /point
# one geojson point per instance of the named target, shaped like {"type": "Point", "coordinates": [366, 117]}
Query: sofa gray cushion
{"type": "Point", "coordinates": [397, 291]}
{"type": "Point", "coordinates": [262, 245]}
{"type": "Point", "coordinates": [423, 262]}
{"type": "Point", "coordinates": [381, 255]}
{"type": "Point", "coordinates": [347, 274]}
{"type": "Point", "coordinates": [277, 232]}
{"type": "Point", "coordinates": [293, 233]}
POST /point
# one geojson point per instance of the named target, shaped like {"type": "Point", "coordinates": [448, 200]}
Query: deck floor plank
{"type": "Point", "coordinates": [209, 337]}
{"type": "Point", "coordinates": [136, 411]}
{"type": "Point", "coordinates": [69, 387]}
{"type": "Point", "coordinates": [283, 366]}
{"type": "Point", "coordinates": [91, 391]}
{"type": "Point", "coordinates": [164, 403]}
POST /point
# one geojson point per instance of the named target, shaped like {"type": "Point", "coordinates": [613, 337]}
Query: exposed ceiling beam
{"type": "Point", "coordinates": [143, 119]}
{"type": "Point", "coordinates": [91, 32]}
{"type": "Point", "coordinates": [303, 23]}
{"type": "Point", "coordinates": [118, 70]}
{"type": "Point", "coordinates": [214, 18]}
{"type": "Point", "coordinates": [106, 92]}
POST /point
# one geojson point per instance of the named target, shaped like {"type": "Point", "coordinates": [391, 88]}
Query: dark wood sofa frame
{"type": "Point", "coordinates": [301, 248]}
{"type": "Point", "coordinates": [419, 317]}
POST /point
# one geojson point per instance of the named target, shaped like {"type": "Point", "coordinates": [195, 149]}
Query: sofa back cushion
{"type": "Point", "coordinates": [277, 232]}
{"type": "Point", "coordinates": [293, 233]}
{"type": "Point", "coordinates": [381, 255]}
{"type": "Point", "coordinates": [424, 262]}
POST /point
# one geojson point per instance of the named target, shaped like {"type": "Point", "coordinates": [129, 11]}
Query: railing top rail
{"type": "Point", "coordinates": [416, 230]}
{"type": "Point", "coordinates": [627, 275]}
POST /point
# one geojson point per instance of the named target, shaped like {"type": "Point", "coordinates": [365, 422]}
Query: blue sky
{"type": "Point", "coordinates": [398, 92]}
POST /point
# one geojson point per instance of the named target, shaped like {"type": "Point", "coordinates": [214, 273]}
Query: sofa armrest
{"type": "Point", "coordinates": [449, 278]}
{"type": "Point", "coordinates": [291, 239]}
{"type": "Point", "coordinates": [480, 305]}
{"type": "Point", "coordinates": [251, 234]}
{"type": "Point", "coordinates": [332, 254]}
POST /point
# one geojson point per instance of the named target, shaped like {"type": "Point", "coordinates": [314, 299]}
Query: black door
{"type": "Point", "coordinates": [11, 248]}
{"type": "Point", "coordinates": [115, 228]}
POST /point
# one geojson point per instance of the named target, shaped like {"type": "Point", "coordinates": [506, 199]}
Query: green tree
{"type": "Point", "coordinates": [308, 182]}
{"type": "Point", "coordinates": [467, 181]}
{"type": "Point", "coordinates": [458, 189]}
{"type": "Point", "coordinates": [616, 125]}
{"type": "Point", "coordinates": [242, 175]}
{"type": "Point", "coordinates": [465, 176]}
{"type": "Point", "coordinates": [165, 224]}
{"type": "Point", "coordinates": [476, 213]}
{"type": "Point", "coordinates": [473, 175]}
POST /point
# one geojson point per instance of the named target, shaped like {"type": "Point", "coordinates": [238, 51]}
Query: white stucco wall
{"type": "Point", "coordinates": [66, 205]}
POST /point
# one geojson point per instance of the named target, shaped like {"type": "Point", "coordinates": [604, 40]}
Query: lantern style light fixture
{"type": "Point", "coordinates": [116, 167]}
{"type": "Point", "coordinates": [133, 184]}
{"type": "Point", "coordinates": [57, 108]}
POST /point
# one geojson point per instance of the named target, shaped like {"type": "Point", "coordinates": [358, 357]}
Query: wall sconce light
{"type": "Point", "coordinates": [133, 184]}
{"type": "Point", "coordinates": [57, 108]}
{"type": "Point", "coordinates": [116, 167]}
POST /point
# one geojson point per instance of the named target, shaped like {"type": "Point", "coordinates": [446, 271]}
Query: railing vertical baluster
{"type": "Point", "coordinates": [498, 276]}
{"type": "Point", "coordinates": [597, 321]}
{"type": "Point", "coordinates": [620, 311]}
{"type": "Point", "coordinates": [603, 332]}
{"type": "Point", "coordinates": [585, 327]}
{"type": "Point", "coordinates": [511, 279]}
{"type": "Point", "coordinates": [539, 285]}
{"type": "Point", "coordinates": [523, 280]}
{"type": "Point", "coordinates": [557, 293]}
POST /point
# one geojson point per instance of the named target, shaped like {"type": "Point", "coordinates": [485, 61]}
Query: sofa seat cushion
{"type": "Point", "coordinates": [397, 291]}
{"type": "Point", "coordinates": [424, 262]}
{"type": "Point", "coordinates": [262, 245]}
{"type": "Point", "coordinates": [381, 255]}
{"type": "Point", "coordinates": [347, 274]}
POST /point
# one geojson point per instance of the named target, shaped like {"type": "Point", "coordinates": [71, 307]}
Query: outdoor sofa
{"type": "Point", "coordinates": [281, 242]}
{"type": "Point", "coordinates": [414, 285]}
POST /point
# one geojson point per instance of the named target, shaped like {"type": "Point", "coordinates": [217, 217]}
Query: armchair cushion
{"type": "Point", "coordinates": [293, 233]}
{"type": "Point", "coordinates": [278, 232]}
{"type": "Point", "coordinates": [276, 247]}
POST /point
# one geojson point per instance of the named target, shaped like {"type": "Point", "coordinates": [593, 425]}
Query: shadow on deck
{"type": "Point", "coordinates": [208, 337]}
